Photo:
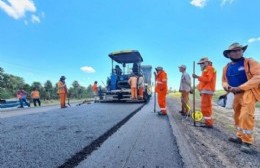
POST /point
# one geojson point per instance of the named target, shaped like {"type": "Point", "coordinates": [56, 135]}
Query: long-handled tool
{"type": "Point", "coordinates": [154, 108]}
{"type": "Point", "coordinates": [194, 121]}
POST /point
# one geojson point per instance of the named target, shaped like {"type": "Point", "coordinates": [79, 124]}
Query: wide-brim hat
{"type": "Point", "coordinates": [234, 46]}
{"type": "Point", "coordinates": [203, 60]}
{"type": "Point", "coordinates": [182, 66]}
{"type": "Point", "coordinates": [62, 77]}
{"type": "Point", "coordinates": [159, 68]}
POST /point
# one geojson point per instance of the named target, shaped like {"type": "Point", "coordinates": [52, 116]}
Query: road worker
{"type": "Point", "coordinates": [133, 84]}
{"type": "Point", "coordinates": [185, 88]}
{"type": "Point", "coordinates": [206, 87]}
{"type": "Point", "coordinates": [22, 95]}
{"type": "Point", "coordinates": [95, 90]}
{"type": "Point", "coordinates": [118, 70]}
{"type": "Point", "coordinates": [35, 94]}
{"type": "Point", "coordinates": [141, 87]}
{"type": "Point", "coordinates": [161, 89]}
{"type": "Point", "coordinates": [242, 77]}
{"type": "Point", "coordinates": [62, 91]}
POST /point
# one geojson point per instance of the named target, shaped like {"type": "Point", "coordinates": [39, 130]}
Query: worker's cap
{"type": "Point", "coordinates": [62, 77]}
{"type": "Point", "coordinates": [203, 60]}
{"type": "Point", "coordinates": [233, 47]}
{"type": "Point", "coordinates": [182, 66]}
{"type": "Point", "coordinates": [159, 68]}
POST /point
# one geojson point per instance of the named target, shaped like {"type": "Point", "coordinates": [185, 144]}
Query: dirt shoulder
{"type": "Point", "coordinates": [211, 146]}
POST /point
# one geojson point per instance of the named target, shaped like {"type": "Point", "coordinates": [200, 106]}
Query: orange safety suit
{"type": "Point", "coordinates": [206, 87]}
{"type": "Point", "coordinates": [245, 101]}
{"type": "Point", "coordinates": [95, 91]}
{"type": "Point", "coordinates": [161, 89]}
{"type": "Point", "coordinates": [95, 88]}
{"type": "Point", "coordinates": [185, 106]}
{"type": "Point", "coordinates": [62, 91]}
{"type": "Point", "coordinates": [133, 84]}
{"type": "Point", "coordinates": [35, 94]}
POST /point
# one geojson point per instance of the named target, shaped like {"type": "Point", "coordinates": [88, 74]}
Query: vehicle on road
{"type": "Point", "coordinates": [126, 63]}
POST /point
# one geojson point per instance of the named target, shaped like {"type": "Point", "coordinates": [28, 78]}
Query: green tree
{"type": "Point", "coordinates": [48, 89]}
{"type": "Point", "coordinates": [89, 91]}
{"type": "Point", "coordinates": [74, 91]}
{"type": "Point", "coordinates": [37, 85]}
{"type": "Point", "coordinates": [1, 77]}
{"type": "Point", "coordinates": [2, 90]}
{"type": "Point", "coordinates": [54, 92]}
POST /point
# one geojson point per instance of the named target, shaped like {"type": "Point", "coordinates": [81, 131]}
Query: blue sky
{"type": "Point", "coordinates": [41, 40]}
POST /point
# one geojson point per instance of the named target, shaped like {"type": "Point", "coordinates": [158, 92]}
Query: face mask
{"type": "Point", "coordinates": [202, 66]}
{"type": "Point", "coordinates": [236, 60]}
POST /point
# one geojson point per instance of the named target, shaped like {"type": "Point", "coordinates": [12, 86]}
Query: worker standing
{"type": "Point", "coordinates": [141, 87]}
{"type": "Point", "coordinates": [36, 97]}
{"type": "Point", "coordinates": [185, 88]}
{"type": "Point", "coordinates": [242, 77]}
{"type": "Point", "coordinates": [206, 87]}
{"type": "Point", "coordinates": [161, 89]}
{"type": "Point", "coordinates": [95, 90]}
{"type": "Point", "coordinates": [133, 84]}
{"type": "Point", "coordinates": [62, 91]}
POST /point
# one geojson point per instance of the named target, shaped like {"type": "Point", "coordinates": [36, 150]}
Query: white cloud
{"type": "Point", "coordinates": [35, 19]}
{"type": "Point", "coordinates": [198, 3]}
{"type": "Point", "coordinates": [252, 40]}
{"type": "Point", "coordinates": [224, 2]}
{"type": "Point", "coordinates": [17, 9]}
{"type": "Point", "coordinates": [88, 69]}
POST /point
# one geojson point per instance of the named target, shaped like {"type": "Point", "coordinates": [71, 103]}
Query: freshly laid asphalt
{"type": "Point", "coordinates": [96, 135]}
{"type": "Point", "coordinates": [48, 139]}
{"type": "Point", "coordinates": [145, 141]}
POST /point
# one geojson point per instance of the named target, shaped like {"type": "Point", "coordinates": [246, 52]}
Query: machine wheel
{"type": "Point", "coordinates": [146, 96]}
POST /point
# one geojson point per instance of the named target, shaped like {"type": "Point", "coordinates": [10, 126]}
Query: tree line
{"type": "Point", "coordinates": [9, 84]}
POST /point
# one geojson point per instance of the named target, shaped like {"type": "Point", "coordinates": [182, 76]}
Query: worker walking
{"type": "Point", "coordinates": [161, 89]}
{"type": "Point", "coordinates": [62, 91]}
{"type": "Point", "coordinates": [185, 88]}
{"type": "Point", "coordinates": [133, 84]}
{"type": "Point", "coordinates": [22, 95]}
{"type": "Point", "coordinates": [242, 77]}
{"type": "Point", "coordinates": [95, 90]}
{"type": "Point", "coordinates": [36, 97]}
{"type": "Point", "coordinates": [206, 87]}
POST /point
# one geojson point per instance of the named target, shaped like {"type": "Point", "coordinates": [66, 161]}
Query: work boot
{"type": "Point", "coordinates": [161, 113]}
{"type": "Point", "coordinates": [245, 147]}
{"type": "Point", "coordinates": [235, 140]}
{"type": "Point", "coordinates": [207, 126]}
{"type": "Point", "coordinates": [181, 112]}
{"type": "Point", "coordinates": [203, 125]}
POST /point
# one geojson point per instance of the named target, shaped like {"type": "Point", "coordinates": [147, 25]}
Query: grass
{"type": "Point", "coordinates": [197, 96]}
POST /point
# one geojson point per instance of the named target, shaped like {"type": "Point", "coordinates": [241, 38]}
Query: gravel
{"type": "Point", "coordinates": [211, 146]}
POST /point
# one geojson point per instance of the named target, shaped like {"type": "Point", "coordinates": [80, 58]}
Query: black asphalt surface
{"type": "Point", "coordinates": [51, 138]}
{"type": "Point", "coordinates": [145, 141]}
